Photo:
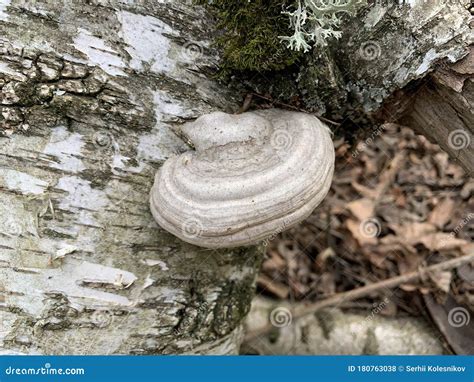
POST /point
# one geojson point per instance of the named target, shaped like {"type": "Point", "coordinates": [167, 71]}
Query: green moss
{"type": "Point", "coordinates": [250, 34]}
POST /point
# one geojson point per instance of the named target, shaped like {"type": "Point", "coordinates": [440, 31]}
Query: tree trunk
{"type": "Point", "coordinates": [89, 93]}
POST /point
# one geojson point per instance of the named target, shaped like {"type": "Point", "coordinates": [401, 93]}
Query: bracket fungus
{"type": "Point", "coordinates": [250, 176]}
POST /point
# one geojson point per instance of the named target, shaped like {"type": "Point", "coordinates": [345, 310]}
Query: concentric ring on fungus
{"type": "Point", "coordinates": [251, 176]}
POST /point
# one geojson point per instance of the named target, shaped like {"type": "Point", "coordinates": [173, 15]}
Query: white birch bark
{"type": "Point", "coordinates": [89, 93]}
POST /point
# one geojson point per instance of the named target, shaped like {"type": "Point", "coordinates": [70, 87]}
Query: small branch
{"type": "Point", "coordinates": [354, 294]}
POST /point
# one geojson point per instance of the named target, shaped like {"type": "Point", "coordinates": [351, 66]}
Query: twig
{"type": "Point", "coordinates": [366, 290]}
{"type": "Point", "coordinates": [293, 107]}
{"type": "Point", "coordinates": [278, 289]}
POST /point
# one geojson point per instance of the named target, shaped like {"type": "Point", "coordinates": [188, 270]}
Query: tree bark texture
{"type": "Point", "coordinates": [89, 93]}
{"type": "Point", "coordinates": [388, 65]}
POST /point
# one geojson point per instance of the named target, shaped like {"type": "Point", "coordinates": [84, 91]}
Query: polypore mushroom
{"type": "Point", "coordinates": [251, 176]}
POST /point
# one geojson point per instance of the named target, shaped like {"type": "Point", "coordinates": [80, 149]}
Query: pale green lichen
{"type": "Point", "coordinates": [315, 21]}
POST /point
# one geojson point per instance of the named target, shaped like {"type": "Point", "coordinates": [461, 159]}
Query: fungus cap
{"type": "Point", "coordinates": [251, 176]}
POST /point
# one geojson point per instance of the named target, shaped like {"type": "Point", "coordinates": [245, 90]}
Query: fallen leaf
{"type": "Point", "coordinates": [441, 240]}
{"type": "Point", "coordinates": [413, 232]}
{"type": "Point", "coordinates": [442, 213]}
{"type": "Point", "coordinates": [362, 209]}
{"type": "Point", "coordinates": [442, 280]}
{"type": "Point", "coordinates": [362, 238]}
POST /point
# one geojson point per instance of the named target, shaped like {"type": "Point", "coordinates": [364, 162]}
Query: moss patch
{"type": "Point", "coordinates": [250, 34]}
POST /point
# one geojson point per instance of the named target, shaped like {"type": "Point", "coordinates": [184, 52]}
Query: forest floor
{"type": "Point", "coordinates": [397, 205]}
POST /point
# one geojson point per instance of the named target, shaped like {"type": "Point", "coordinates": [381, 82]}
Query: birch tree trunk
{"type": "Point", "coordinates": [89, 93]}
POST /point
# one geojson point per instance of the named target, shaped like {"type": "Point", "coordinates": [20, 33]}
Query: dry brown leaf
{"type": "Point", "coordinates": [362, 209]}
{"type": "Point", "coordinates": [362, 238]}
{"type": "Point", "coordinates": [342, 149]}
{"type": "Point", "coordinates": [442, 213]}
{"type": "Point", "coordinates": [468, 249]}
{"type": "Point", "coordinates": [376, 257]}
{"type": "Point", "coordinates": [412, 233]}
{"type": "Point", "coordinates": [467, 190]}
{"type": "Point", "coordinates": [400, 198]}
{"type": "Point", "coordinates": [442, 280]}
{"type": "Point", "coordinates": [409, 263]}
{"type": "Point", "coordinates": [441, 241]}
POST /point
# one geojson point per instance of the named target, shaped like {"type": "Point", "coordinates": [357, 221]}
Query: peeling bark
{"type": "Point", "coordinates": [333, 332]}
{"type": "Point", "coordinates": [443, 110]}
{"type": "Point", "coordinates": [89, 94]}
